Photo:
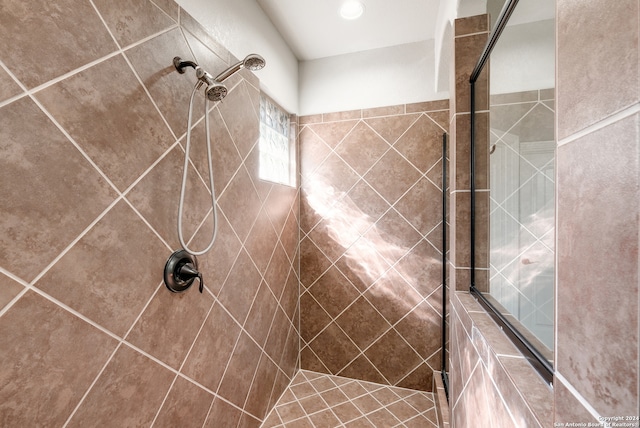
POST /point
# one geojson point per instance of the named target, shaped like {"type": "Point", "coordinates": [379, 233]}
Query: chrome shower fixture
{"type": "Point", "coordinates": [215, 89]}
{"type": "Point", "coordinates": [252, 62]}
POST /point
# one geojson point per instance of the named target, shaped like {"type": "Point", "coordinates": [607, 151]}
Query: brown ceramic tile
{"type": "Point", "coordinates": [277, 271]}
{"type": "Point", "coordinates": [420, 328]}
{"type": "Point", "coordinates": [242, 367]}
{"type": "Point", "coordinates": [240, 287]}
{"type": "Point", "coordinates": [429, 106]}
{"type": "Point", "coordinates": [362, 264]}
{"type": "Point", "coordinates": [324, 419]}
{"type": "Point", "coordinates": [417, 144]}
{"type": "Point", "coordinates": [334, 348]}
{"type": "Point", "coordinates": [8, 88]}
{"type": "Point", "coordinates": [567, 408]}
{"type": "Point", "coordinates": [472, 24]}
{"type": "Point", "coordinates": [208, 358]}
{"type": "Point", "coordinates": [333, 292]}
{"type": "Point", "coordinates": [392, 297]}
{"type": "Point", "coordinates": [343, 115]}
{"type": "Point", "coordinates": [597, 76]}
{"type": "Point", "coordinates": [392, 176]}
{"type": "Point", "coordinates": [261, 241]}
{"type": "Point", "coordinates": [169, 325]}
{"type": "Point", "coordinates": [156, 197]}
{"type": "Point", "coordinates": [422, 206]}
{"type": "Point", "coordinates": [334, 176]}
{"type": "Point", "coordinates": [361, 148]}
{"type": "Point", "coordinates": [129, 391]}
{"type": "Point", "coordinates": [51, 43]}
{"type": "Point", "coordinates": [346, 412]}
{"type": "Point", "coordinates": [420, 379]}
{"type": "Point", "coordinates": [263, 384]}
{"type": "Point", "coordinates": [421, 268]}
{"type": "Point", "coordinates": [130, 22]}
{"type": "Point", "coordinates": [467, 50]}
{"type": "Point", "coordinates": [78, 354]}
{"type": "Point", "coordinates": [8, 290]}
{"type": "Point", "coordinates": [315, 318]}
{"type": "Point", "coordinates": [365, 205]}
{"type": "Point", "coordinates": [108, 293]}
{"type": "Point", "coordinates": [383, 111]}
{"type": "Point", "coordinates": [205, 39]}
{"type": "Point", "coordinates": [223, 411]}
{"type": "Point", "coordinates": [332, 133]}
{"type": "Point", "coordinates": [240, 203]}
{"type": "Point", "coordinates": [362, 323]}
{"type": "Point", "coordinates": [170, 7]}
{"type": "Point", "coordinates": [392, 356]}
{"type": "Point", "coordinates": [43, 219]}
{"type": "Point", "coordinates": [169, 89]}
{"type": "Point", "coordinates": [361, 368]}
{"type": "Point", "coordinates": [130, 136]}
{"type": "Point", "coordinates": [186, 403]}
{"type": "Point", "coordinates": [261, 314]}
{"type": "Point", "coordinates": [607, 220]}
{"type": "Point", "coordinates": [312, 150]}
{"type": "Point", "coordinates": [241, 119]}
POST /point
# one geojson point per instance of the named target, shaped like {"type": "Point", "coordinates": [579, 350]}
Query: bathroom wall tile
{"type": "Point", "coordinates": [223, 411]}
{"type": "Point", "coordinates": [128, 392]}
{"type": "Point", "coordinates": [113, 294]}
{"type": "Point", "coordinates": [334, 348]}
{"type": "Point", "coordinates": [462, 158]}
{"type": "Point", "coordinates": [169, 89]}
{"type": "Point", "coordinates": [607, 79]}
{"type": "Point", "coordinates": [421, 379]}
{"type": "Point", "coordinates": [392, 297]}
{"type": "Point", "coordinates": [392, 176]}
{"type": "Point", "coordinates": [429, 106]}
{"type": "Point", "coordinates": [156, 197]}
{"type": "Point", "coordinates": [258, 399]}
{"type": "Point", "coordinates": [441, 118]}
{"type": "Point", "coordinates": [334, 175]}
{"type": "Point", "coordinates": [170, 7]}
{"type": "Point", "coordinates": [392, 356]}
{"type": "Point", "coordinates": [51, 43]}
{"type": "Point", "coordinates": [467, 52]}
{"type": "Point", "coordinates": [8, 87]}
{"type": "Point", "coordinates": [362, 323]}
{"type": "Point", "coordinates": [423, 217]}
{"type": "Point", "coordinates": [208, 358]}
{"type": "Point", "coordinates": [240, 203]}
{"type": "Point", "coordinates": [567, 407]}
{"type": "Point", "coordinates": [130, 22]}
{"type": "Point", "coordinates": [471, 25]}
{"type": "Point", "coordinates": [315, 318]}
{"type": "Point", "coordinates": [188, 23]}
{"type": "Point", "coordinates": [185, 402]}
{"type": "Point", "coordinates": [365, 204]}
{"type": "Point", "coordinates": [277, 271]}
{"type": "Point", "coordinates": [333, 291]}
{"type": "Point", "coordinates": [28, 353]}
{"type": "Point", "coordinates": [332, 133]}
{"type": "Point", "coordinates": [209, 55]}
{"type": "Point", "coordinates": [8, 290]}
{"type": "Point", "coordinates": [240, 287]}
{"type": "Point", "coordinates": [383, 111]}
{"type": "Point", "coordinates": [130, 135]}
{"type": "Point", "coordinates": [242, 366]}
{"type": "Point", "coordinates": [342, 115]}
{"type": "Point", "coordinates": [419, 327]}
{"type": "Point", "coordinates": [261, 314]}
{"type": "Point", "coordinates": [422, 268]}
{"type": "Point", "coordinates": [217, 263]}
{"type": "Point", "coordinates": [361, 148]}
{"type": "Point", "coordinates": [276, 341]}
{"type": "Point", "coordinates": [313, 150]}
{"type": "Point", "coordinates": [417, 144]}
{"type": "Point", "coordinates": [41, 221]}
{"type": "Point", "coordinates": [597, 208]}
{"type": "Point", "coordinates": [241, 118]}
{"type": "Point", "coordinates": [261, 241]}
{"type": "Point", "coordinates": [392, 127]}
{"type": "Point", "coordinates": [168, 326]}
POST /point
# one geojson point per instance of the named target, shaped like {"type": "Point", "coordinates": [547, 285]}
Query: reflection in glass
{"type": "Point", "coordinates": [522, 187]}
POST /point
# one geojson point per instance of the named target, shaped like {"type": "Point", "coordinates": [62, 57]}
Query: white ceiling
{"type": "Point", "coordinates": [313, 28]}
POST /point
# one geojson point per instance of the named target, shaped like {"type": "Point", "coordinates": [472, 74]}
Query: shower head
{"type": "Point", "coordinates": [215, 91]}
{"type": "Point", "coordinates": [252, 62]}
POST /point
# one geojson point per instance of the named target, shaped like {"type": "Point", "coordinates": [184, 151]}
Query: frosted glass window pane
{"type": "Point", "coordinates": [275, 145]}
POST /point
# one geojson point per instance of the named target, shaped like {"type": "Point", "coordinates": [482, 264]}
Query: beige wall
{"type": "Point", "coordinates": [92, 124]}
{"type": "Point", "coordinates": [371, 243]}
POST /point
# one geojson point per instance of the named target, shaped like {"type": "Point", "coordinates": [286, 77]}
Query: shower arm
{"type": "Point", "coordinates": [180, 65]}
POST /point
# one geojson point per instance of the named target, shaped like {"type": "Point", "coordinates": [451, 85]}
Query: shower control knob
{"type": "Point", "coordinates": [180, 272]}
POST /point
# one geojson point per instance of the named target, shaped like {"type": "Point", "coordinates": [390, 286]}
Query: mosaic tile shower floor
{"type": "Point", "coordinates": [325, 401]}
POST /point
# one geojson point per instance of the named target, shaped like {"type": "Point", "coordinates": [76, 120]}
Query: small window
{"type": "Point", "coordinates": [277, 154]}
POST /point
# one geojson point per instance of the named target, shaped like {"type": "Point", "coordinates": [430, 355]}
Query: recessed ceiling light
{"type": "Point", "coordinates": [351, 9]}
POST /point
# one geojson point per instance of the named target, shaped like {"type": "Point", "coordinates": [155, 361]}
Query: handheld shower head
{"type": "Point", "coordinates": [252, 62]}
{"type": "Point", "coordinates": [215, 91]}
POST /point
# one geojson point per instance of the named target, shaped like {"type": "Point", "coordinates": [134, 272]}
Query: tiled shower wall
{"type": "Point", "coordinates": [92, 123]}
{"type": "Point", "coordinates": [371, 242]}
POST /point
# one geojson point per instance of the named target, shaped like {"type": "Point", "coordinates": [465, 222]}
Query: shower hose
{"type": "Point", "coordinates": [184, 175]}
